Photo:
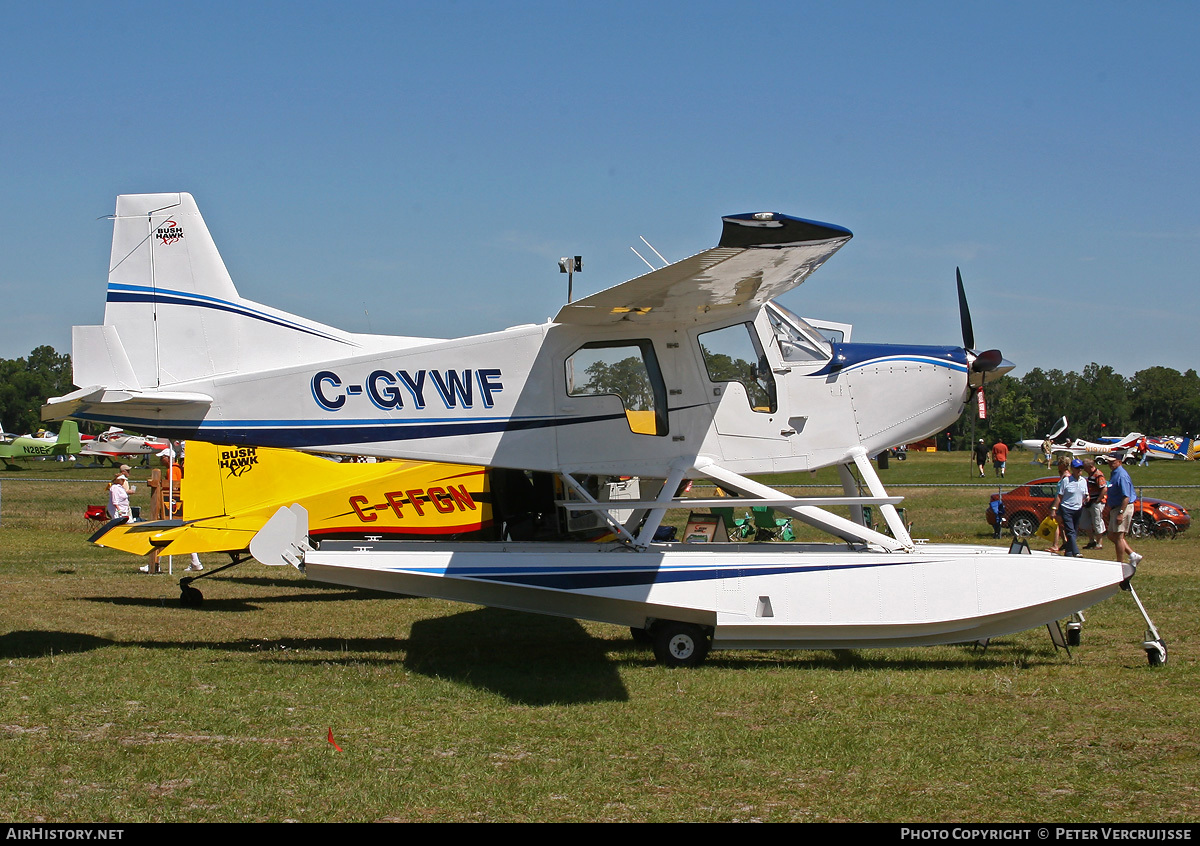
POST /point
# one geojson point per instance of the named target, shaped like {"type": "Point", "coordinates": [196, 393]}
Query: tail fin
{"type": "Point", "coordinates": [173, 311]}
{"type": "Point", "coordinates": [68, 438]}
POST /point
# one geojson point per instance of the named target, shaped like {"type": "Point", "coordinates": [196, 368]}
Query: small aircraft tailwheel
{"type": "Point", "coordinates": [680, 644]}
{"type": "Point", "coordinates": [1156, 652]}
{"type": "Point", "coordinates": [1074, 633]}
{"type": "Point", "coordinates": [190, 597]}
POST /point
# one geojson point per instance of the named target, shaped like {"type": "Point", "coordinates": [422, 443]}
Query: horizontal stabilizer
{"type": "Point", "coordinates": [760, 256]}
{"type": "Point", "coordinates": [283, 539]}
{"type": "Point", "coordinates": [132, 408]}
{"type": "Point", "coordinates": [98, 358]}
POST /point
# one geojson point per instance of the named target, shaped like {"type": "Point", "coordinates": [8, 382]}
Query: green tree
{"type": "Point", "coordinates": [26, 383]}
{"type": "Point", "coordinates": [1165, 401]}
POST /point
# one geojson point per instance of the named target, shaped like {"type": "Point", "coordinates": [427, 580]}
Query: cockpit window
{"type": "Point", "coordinates": [733, 354]}
{"type": "Point", "coordinates": [628, 369]}
{"type": "Point", "coordinates": [797, 340]}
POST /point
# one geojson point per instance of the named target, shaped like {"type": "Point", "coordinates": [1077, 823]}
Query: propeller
{"type": "Point", "coordinates": [964, 314]}
{"type": "Point", "coordinates": [988, 361]}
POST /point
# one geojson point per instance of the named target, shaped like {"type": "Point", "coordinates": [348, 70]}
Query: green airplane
{"type": "Point", "coordinates": [27, 446]}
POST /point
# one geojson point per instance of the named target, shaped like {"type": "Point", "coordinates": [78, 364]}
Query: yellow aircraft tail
{"type": "Point", "coordinates": [228, 493]}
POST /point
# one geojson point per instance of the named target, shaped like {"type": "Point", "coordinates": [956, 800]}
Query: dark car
{"type": "Point", "coordinates": [1026, 506]}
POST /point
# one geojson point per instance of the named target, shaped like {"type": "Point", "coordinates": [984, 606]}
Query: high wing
{"type": "Point", "coordinates": [759, 257]}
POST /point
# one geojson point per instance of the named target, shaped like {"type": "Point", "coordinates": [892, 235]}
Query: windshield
{"type": "Point", "coordinates": [797, 340]}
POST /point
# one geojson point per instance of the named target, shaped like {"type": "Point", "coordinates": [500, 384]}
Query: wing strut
{"type": "Point", "coordinates": [824, 520]}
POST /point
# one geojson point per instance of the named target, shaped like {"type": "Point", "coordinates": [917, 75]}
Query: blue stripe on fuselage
{"type": "Point", "coordinates": [295, 434]}
{"type": "Point", "coordinates": [852, 356]}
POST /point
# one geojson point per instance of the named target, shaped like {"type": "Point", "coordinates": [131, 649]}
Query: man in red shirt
{"type": "Point", "coordinates": [999, 457]}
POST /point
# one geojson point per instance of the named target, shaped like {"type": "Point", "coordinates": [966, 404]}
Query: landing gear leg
{"type": "Point", "coordinates": [1155, 646]}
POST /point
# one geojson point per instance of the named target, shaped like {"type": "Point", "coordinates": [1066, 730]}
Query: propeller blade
{"type": "Point", "coordinates": [964, 314]}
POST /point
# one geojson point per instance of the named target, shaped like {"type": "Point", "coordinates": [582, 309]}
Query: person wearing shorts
{"type": "Point", "coordinates": [999, 457]}
{"type": "Point", "coordinates": [1091, 522]}
{"type": "Point", "coordinates": [1120, 508]}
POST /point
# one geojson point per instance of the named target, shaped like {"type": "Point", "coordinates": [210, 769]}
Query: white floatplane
{"type": "Point", "coordinates": [690, 371]}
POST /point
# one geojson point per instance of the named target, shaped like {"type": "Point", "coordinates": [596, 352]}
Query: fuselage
{"type": "Point", "coordinates": [758, 396]}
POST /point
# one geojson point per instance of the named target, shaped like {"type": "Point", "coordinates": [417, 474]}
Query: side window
{"type": "Point", "coordinates": [733, 354]}
{"type": "Point", "coordinates": [628, 369]}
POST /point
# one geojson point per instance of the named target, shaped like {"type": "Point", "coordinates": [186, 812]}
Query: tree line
{"type": "Point", "coordinates": [26, 383]}
{"type": "Point", "coordinates": [1098, 402]}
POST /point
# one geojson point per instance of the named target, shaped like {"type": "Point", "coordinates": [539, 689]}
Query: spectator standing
{"type": "Point", "coordinates": [1119, 508]}
{"type": "Point", "coordinates": [1064, 470]}
{"type": "Point", "coordinates": [1068, 504]}
{"type": "Point", "coordinates": [1092, 519]}
{"type": "Point", "coordinates": [999, 457]}
{"type": "Point", "coordinates": [981, 455]}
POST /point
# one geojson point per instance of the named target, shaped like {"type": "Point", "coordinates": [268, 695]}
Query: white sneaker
{"type": "Point", "coordinates": [145, 568]}
{"type": "Point", "coordinates": [195, 567]}
{"type": "Point", "coordinates": [1134, 560]}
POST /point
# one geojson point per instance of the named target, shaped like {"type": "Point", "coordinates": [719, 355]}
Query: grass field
{"type": "Point", "coordinates": [116, 704]}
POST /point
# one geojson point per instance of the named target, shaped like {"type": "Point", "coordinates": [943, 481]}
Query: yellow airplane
{"type": "Point", "coordinates": [228, 493]}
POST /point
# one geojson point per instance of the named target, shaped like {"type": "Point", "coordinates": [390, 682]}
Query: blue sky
{"type": "Point", "coordinates": [416, 168]}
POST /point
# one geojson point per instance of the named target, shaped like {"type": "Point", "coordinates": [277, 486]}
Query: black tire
{"type": "Point", "coordinates": [190, 597]}
{"type": "Point", "coordinates": [1023, 524]}
{"type": "Point", "coordinates": [1155, 658]}
{"type": "Point", "coordinates": [1074, 636]}
{"type": "Point", "coordinates": [1142, 526]}
{"type": "Point", "coordinates": [680, 644]}
{"type": "Point", "coordinates": [1166, 530]}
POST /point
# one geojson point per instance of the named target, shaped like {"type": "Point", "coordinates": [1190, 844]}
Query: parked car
{"type": "Point", "coordinates": [1027, 505]}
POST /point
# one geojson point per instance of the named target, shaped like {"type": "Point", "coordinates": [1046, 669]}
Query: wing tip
{"type": "Point", "coordinates": [768, 229]}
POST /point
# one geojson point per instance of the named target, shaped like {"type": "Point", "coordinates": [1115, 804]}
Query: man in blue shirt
{"type": "Point", "coordinates": [1119, 507]}
{"type": "Point", "coordinates": [1072, 492]}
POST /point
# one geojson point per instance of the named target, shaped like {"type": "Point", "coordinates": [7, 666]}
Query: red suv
{"type": "Point", "coordinates": [1026, 506]}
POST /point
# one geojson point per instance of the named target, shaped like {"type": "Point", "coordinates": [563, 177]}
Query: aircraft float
{"type": "Point", "coordinates": [690, 371]}
{"type": "Point", "coordinates": [66, 442]}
